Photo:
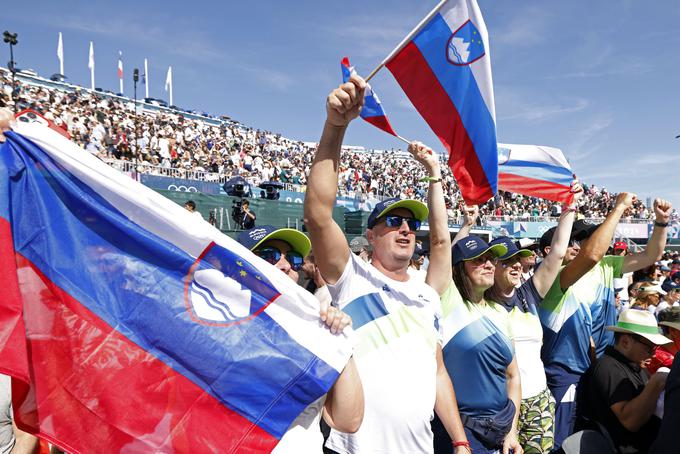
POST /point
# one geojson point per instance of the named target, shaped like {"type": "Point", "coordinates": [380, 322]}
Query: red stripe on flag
{"type": "Point", "coordinates": [382, 123]}
{"type": "Point", "coordinates": [534, 188]}
{"type": "Point", "coordinates": [422, 87]}
{"type": "Point", "coordinates": [91, 387]}
{"type": "Point", "coordinates": [13, 354]}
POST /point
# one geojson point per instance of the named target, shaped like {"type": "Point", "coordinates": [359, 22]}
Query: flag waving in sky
{"type": "Point", "coordinates": [60, 54]}
{"type": "Point", "coordinates": [372, 111]}
{"type": "Point", "coordinates": [128, 323]}
{"type": "Point", "coordinates": [535, 171]}
{"type": "Point", "coordinates": [168, 83]}
{"type": "Point", "coordinates": [444, 68]}
{"type": "Point", "coordinates": [120, 70]}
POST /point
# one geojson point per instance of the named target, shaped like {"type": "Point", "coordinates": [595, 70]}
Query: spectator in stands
{"type": "Point", "coordinates": [581, 302]}
{"type": "Point", "coordinates": [359, 246]}
{"type": "Point", "coordinates": [667, 441]}
{"type": "Point", "coordinates": [403, 373]}
{"type": "Point", "coordinates": [617, 393]}
{"type": "Point", "coordinates": [343, 406]}
{"type": "Point", "coordinates": [669, 321]}
{"type": "Point", "coordinates": [475, 328]}
{"type": "Point", "coordinates": [522, 301]}
{"type": "Point", "coordinates": [648, 297]}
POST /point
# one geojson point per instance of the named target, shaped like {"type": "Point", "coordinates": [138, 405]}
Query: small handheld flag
{"type": "Point", "coordinates": [535, 171]}
{"type": "Point", "coordinates": [372, 111]}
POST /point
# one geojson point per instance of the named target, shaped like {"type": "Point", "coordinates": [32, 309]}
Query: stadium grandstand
{"type": "Point", "coordinates": [192, 155]}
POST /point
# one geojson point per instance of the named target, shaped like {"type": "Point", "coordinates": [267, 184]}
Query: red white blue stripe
{"type": "Point", "coordinates": [535, 171]}
{"type": "Point", "coordinates": [107, 341]}
{"type": "Point", "coordinates": [445, 70]}
{"type": "Point", "coordinates": [372, 111]}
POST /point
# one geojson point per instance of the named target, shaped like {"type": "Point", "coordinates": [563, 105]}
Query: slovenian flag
{"type": "Point", "coordinates": [120, 64]}
{"type": "Point", "coordinates": [444, 68]}
{"type": "Point", "coordinates": [372, 111]}
{"type": "Point", "coordinates": [129, 325]}
{"type": "Point", "coordinates": [535, 171]}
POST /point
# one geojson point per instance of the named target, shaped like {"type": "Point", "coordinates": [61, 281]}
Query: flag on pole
{"type": "Point", "coordinates": [116, 297]}
{"type": "Point", "coordinates": [60, 55]}
{"type": "Point", "coordinates": [168, 83]}
{"type": "Point", "coordinates": [444, 68]}
{"type": "Point", "coordinates": [145, 78]}
{"type": "Point", "coordinates": [90, 64]}
{"type": "Point", "coordinates": [535, 171]}
{"type": "Point", "coordinates": [120, 70]}
{"type": "Point", "coordinates": [372, 111]}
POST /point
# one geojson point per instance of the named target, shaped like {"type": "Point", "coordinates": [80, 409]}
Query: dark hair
{"type": "Point", "coordinates": [671, 314]}
{"type": "Point", "coordinates": [462, 281]}
{"type": "Point", "coordinates": [191, 204]}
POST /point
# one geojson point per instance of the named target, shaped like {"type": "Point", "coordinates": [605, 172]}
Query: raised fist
{"type": "Point", "coordinates": [345, 102]}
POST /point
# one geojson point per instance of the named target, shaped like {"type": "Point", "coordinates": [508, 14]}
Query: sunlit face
{"type": "Point", "coordinates": [572, 250]}
{"type": "Point", "coordinates": [393, 244]}
{"type": "Point", "coordinates": [508, 272]}
{"type": "Point", "coordinates": [481, 271]}
{"type": "Point", "coordinates": [282, 264]}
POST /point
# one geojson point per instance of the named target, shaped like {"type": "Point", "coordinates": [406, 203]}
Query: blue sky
{"type": "Point", "coordinates": [597, 79]}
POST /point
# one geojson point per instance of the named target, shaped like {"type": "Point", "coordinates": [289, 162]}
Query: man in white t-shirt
{"type": "Point", "coordinates": [398, 350]}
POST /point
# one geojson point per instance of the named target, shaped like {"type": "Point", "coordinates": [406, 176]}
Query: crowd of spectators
{"type": "Point", "coordinates": [171, 143]}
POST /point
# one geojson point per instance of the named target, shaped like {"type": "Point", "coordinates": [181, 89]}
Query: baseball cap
{"type": "Point", "coordinates": [472, 246]}
{"type": "Point", "coordinates": [580, 230]}
{"type": "Point", "coordinates": [254, 237]}
{"type": "Point", "coordinates": [358, 243]}
{"type": "Point", "coordinates": [419, 209]}
{"type": "Point", "coordinates": [651, 287]}
{"type": "Point", "coordinates": [620, 245]}
{"type": "Point", "coordinates": [669, 284]}
{"type": "Point", "coordinates": [512, 249]}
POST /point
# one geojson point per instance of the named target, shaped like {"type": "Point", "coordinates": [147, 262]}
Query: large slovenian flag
{"type": "Point", "coordinates": [128, 325]}
{"type": "Point", "coordinates": [444, 68]}
{"type": "Point", "coordinates": [535, 171]}
{"type": "Point", "coordinates": [372, 110]}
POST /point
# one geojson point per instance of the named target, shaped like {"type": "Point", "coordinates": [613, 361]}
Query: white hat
{"type": "Point", "coordinates": [642, 323]}
{"type": "Point", "coordinates": [650, 287]}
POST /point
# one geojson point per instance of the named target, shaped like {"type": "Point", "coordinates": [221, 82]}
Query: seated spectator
{"type": "Point", "coordinates": [617, 393]}
{"type": "Point", "coordinates": [669, 320]}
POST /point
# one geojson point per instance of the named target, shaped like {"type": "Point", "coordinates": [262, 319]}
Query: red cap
{"type": "Point", "coordinates": [620, 245]}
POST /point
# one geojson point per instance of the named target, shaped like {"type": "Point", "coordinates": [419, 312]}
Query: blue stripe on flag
{"type": "Point", "coordinates": [538, 171]}
{"type": "Point", "coordinates": [365, 309]}
{"type": "Point", "coordinates": [460, 84]}
{"type": "Point", "coordinates": [134, 281]}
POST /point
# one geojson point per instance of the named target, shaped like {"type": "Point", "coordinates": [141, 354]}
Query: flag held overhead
{"type": "Point", "coordinates": [372, 111]}
{"type": "Point", "coordinates": [444, 68]}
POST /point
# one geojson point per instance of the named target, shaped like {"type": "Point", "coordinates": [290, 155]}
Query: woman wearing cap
{"type": "Point", "coordinates": [521, 300]}
{"type": "Point", "coordinates": [478, 351]}
{"type": "Point", "coordinates": [648, 297]}
{"type": "Point", "coordinates": [343, 406]}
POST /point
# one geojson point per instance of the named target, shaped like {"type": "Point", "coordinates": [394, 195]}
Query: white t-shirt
{"type": "Point", "coordinates": [304, 435]}
{"type": "Point", "coordinates": [395, 353]}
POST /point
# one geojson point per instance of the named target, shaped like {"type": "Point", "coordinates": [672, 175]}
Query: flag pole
{"type": "Point", "coordinates": [146, 79]}
{"type": "Point", "coordinates": [405, 41]}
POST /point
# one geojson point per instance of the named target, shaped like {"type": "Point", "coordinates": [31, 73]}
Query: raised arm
{"type": "Point", "coordinates": [546, 273]}
{"type": "Point", "coordinates": [656, 243]}
{"type": "Point", "coordinates": [596, 246]}
{"type": "Point", "coordinates": [328, 242]}
{"type": "Point", "coordinates": [439, 269]}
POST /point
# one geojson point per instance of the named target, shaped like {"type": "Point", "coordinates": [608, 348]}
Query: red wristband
{"type": "Point", "coordinates": [457, 444]}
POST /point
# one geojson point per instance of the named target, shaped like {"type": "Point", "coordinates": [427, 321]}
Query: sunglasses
{"type": "Point", "coordinates": [643, 341]}
{"type": "Point", "coordinates": [273, 255]}
{"type": "Point", "coordinates": [481, 261]}
{"type": "Point", "coordinates": [394, 221]}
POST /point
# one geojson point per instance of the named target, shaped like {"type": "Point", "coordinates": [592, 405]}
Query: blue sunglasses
{"type": "Point", "coordinates": [273, 255]}
{"type": "Point", "coordinates": [396, 222]}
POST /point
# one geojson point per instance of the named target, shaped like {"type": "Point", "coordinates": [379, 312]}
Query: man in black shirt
{"type": "Point", "coordinates": [617, 393]}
